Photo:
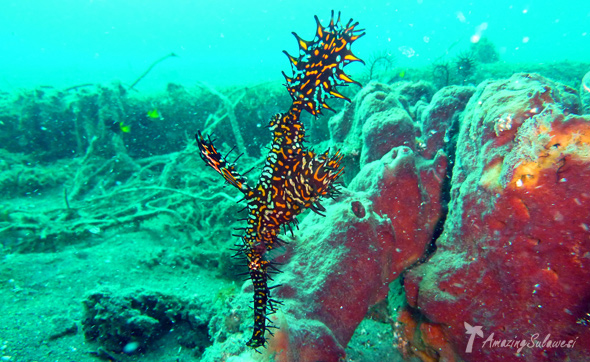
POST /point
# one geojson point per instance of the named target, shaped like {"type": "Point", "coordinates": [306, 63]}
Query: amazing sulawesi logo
{"type": "Point", "coordinates": [533, 341]}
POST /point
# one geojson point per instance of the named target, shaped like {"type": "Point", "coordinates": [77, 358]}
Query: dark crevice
{"type": "Point", "coordinates": [450, 150]}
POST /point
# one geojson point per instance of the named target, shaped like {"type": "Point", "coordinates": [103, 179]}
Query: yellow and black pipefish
{"type": "Point", "coordinates": [294, 178]}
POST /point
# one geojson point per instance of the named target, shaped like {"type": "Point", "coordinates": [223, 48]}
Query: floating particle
{"type": "Point", "coordinates": [94, 230]}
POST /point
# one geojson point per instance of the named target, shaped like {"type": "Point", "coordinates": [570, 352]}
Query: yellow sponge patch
{"type": "Point", "coordinates": [570, 140]}
{"type": "Point", "coordinates": [490, 179]}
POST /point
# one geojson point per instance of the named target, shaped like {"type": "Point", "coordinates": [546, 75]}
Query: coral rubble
{"type": "Point", "coordinates": [131, 323]}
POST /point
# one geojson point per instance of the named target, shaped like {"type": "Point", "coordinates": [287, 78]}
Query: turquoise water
{"type": "Point", "coordinates": [116, 238]}
{"type": "Point", "coordinates": [68, 42]}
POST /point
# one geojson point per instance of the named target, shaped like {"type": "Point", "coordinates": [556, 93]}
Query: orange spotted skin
{"type": "Point", "coordinates": [294, 178]}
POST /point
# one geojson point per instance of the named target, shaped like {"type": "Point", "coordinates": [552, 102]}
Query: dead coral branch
{"type": "Point", "coordinates": [228, 111]}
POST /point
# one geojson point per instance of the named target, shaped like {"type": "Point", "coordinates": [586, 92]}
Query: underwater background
{"type": "Point", "coordinates": [227, 42]}
{"type": "Point", "coordinates": [459, 230]}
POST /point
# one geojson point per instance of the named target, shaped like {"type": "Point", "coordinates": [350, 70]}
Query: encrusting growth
{"type": "Point", "coordinates": [294, 178]}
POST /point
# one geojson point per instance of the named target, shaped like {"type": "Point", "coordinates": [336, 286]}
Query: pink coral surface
{"type": "Point", "coordinates": [343, 265]}
{"type": "Point", "coordinates": [514, 257]}
{"type": "Point", "coordinates": [515, 254]}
